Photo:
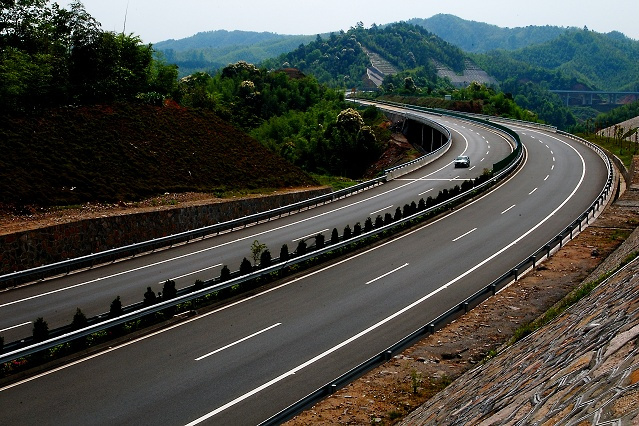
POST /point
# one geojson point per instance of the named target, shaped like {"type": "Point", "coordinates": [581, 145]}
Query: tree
{"type": "Point", "coordinates": [116, 308]}
{"type": "Point", "coordinates": [256, 250]}
{"type": "Point", "coordinates": [79, 320]}
{"type": "Point", "coordinates": [245, 267]}
{"type": "Point", "coordinates": [284, 254]}
{"type": "Point", "coordinates": [368, 224]}
{"type": "Point", "coordinates": [334, 236]}
{"type": "Point", "coordinates": [398, 214]}
{"type": "Point", "coordinates": [266, 259]}
{"type": "Point", "coordinates": [149, 297]}
{"type": "Point", "coordinates": [319, 241]}
{"type": "Point", "coordinates": [225, 273]}
{"type": "Point", "coordinates": [301, 248]}
{"type": "Point", "coordinates": [40, 330]}
{"type": "Point", "coordinates": [347, 232]}
{"type": "Point", "coordinates": [168, 290]}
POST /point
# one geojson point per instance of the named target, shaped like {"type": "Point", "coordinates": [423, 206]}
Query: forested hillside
{"type": "Point", "coordinates": [89, 115]}
{"type": "Point", "coordinates": [126, 152]}
{"type": "Point", "coordinates": [600, 61]}
{"type": "Point", "coordinates": [340, 60]}
{"type": "Point", "coordinates": [478, 37]}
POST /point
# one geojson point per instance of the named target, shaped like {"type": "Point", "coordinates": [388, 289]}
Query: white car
{"type": "Point", "coordinates": [462, 161]}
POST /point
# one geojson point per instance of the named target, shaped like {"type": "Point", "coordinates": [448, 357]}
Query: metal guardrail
{"type": "Point", "coordinates": [212, 285]}
{"type": "Point", "coordinates": [465, 306]}
{"type": "Point", "coordinates": [91, 260]}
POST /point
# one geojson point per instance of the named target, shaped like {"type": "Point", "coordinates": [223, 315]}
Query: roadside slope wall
{"type": "Point", "coordinates": [29, 249]}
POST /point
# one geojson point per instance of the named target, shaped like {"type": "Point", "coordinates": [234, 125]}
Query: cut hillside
{"type": "Point", "coordinates": [127, 152]}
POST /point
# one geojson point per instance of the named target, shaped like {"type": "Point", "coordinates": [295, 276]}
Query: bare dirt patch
{"type": "Point", "coordinates": [40, 217]}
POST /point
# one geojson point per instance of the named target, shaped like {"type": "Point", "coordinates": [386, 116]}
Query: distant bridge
{"type": "Point", "coordinates": [595, 97]}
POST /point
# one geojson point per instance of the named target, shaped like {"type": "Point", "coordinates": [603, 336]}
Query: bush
{"type": "Point", "coordinates": [40, 330]}
{"type": "Point", "coordinates": [347, 232]}
{"type": "Point", "coordinates": [406, 211]}
{"type": "Point", "coordinates": [116, 308]}
{"type": "Point", "coordinates": [388, 219]}
{"type": "Point", "coordinates": [319, 241]}
{"type": "Point", "coordinates": [284, 254]}
{"type": "Point", "coordinates": [149, 297]}
{"type": "Point", "coordinates": [334, 236]}
{"type": "Point", "coordinates": [168, 290]}
{"type": "Point", "coordinates": [225, 273]}
{"type": "Point", "coordinates": [266, 259]}
{"type": "Point", "coordinates": [301, 248]}
{"type": "Point", "coordinates": [368, 224]}
{"type": "Point", "coordinates": [199, 285]}
{"type": "Point", "coordinates": [379, 221]}
{"type": "Point", "coordinates": [398, 214]}
{"type": "Point", "coordinates": [357, 229]}
{"type": "Point", "coordinates": [79, 320]}
{"type": "Point", "coordinates": [422, 205]}
{"type": "Point", "coordinates": [246, 267]}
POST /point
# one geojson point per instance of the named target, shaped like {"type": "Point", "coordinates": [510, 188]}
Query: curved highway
{"type": "Point", "coordinates": [245, 362]}
{"type": "Point", "coordinates": [56, 300]}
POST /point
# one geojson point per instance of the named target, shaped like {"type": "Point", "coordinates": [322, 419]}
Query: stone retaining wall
{"type": "Point", "coordinates": [52, 244]}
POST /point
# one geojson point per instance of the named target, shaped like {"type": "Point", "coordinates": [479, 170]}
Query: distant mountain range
{"type": "Point", "coordinates": [478, 37]}
{"type": "Point", "coordinates": [557, 57]}
{"type": "Point", "coordinates": [212, 50]}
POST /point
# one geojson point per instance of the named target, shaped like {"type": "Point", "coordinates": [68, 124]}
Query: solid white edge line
{"type": "Point", "coordinates": [293, 371]}
{"type": "Point", "coordinates": [238, 341]}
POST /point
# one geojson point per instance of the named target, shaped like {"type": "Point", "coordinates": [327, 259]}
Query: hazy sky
{"type": "Point", "coordinates": [157, 20]}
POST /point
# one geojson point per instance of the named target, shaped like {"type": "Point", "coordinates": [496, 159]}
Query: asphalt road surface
{"type": "Point", "coordinates": [245, 362]}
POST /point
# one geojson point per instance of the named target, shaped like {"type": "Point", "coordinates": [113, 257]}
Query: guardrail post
{"type": "Point", "coordinates": [466, 307]}
{"type": "Point", "coordinates": [388, 355]}
{"type": "Point", "coordinates": [493, 289]}
{"type": "Point", "coordinates": [560, 237]}
{"type": "Point", "coordinates": [431, 328]}
{"type": "Point", "coordinates": [332, 389]}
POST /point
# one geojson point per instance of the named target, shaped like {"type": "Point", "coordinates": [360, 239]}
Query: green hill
{"type": "Point", "coordinates": [601, 61]}
{"type": "Point", "coordinates": [129, 151]}
{"type": "Point", "coordinates": [340, 59]}
{"type": "Point", "coordinates": [212, 50]}
{"type": "Point", "coordinates": [478, 37]}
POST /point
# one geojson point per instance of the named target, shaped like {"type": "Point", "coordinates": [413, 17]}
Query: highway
{"type": "Point", "coordinates": [245, 362]}
{"type": "Point", "coordinates": [56, 300]}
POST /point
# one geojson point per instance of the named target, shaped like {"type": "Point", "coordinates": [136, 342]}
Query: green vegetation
{"type": "Point", "coordinates": [50, 56]}
{"type": "Point", "coordinates": [340, 60]}
{"type": "Point", "coordinates": [568, 301]}
{"type": "Point", "coordinates": [477, 37]}
{"type": "Point", "coordinates": [129, 151]}
{"type": "Point", "coordinates": [212, 50]}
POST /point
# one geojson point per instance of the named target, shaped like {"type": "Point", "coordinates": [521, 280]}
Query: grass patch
{"type": "Point", "coordinates": [568, 301]}
{"type": "Point", "coordinates": [625, 150]}
{"type": "Point", "coordinates": [335, 182]}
